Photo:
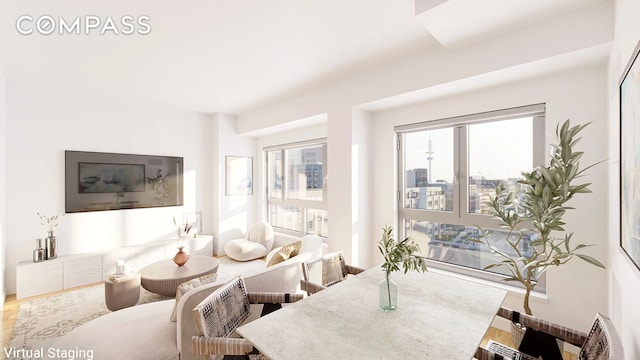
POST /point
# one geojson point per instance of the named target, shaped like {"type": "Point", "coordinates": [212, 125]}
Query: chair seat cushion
{"type": "Point", "coordinates": [244, 250]}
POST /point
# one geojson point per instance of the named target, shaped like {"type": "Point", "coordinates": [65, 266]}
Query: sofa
{"type": "Point", "coordinates": [146, 332]}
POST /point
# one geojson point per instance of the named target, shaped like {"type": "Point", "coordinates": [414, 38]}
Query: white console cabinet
{"type": "Point", "coordinates": [71, 271]}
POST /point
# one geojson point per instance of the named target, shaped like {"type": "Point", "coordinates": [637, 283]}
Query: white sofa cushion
{"type": "Point", "coordinates": [137, 332]}
{"type": "Point", "coordinates": [244, 250]}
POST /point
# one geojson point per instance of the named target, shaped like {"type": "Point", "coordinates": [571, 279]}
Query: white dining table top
{"type": "Point", "coordinates": [438, 317]}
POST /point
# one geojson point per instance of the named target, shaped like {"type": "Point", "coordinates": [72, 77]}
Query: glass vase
{"type": "Point", "coordinates": [388, 294]}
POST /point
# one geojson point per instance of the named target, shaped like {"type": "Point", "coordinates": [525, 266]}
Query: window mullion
{"type": "Point", "coordinates": [463, 171]}
{"type": "Point", "coordinates": [285, 178]}
{"type": "Point", "coordinates": [325, 169]}
{"type": "Point", "coordinates": [401, 193]}
{"type": "Point", "coordinates": [538, 141]}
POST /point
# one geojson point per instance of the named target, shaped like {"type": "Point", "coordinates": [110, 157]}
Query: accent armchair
{"type": "Point", "coordinates": [602, 342]}
{"type": "Point", "coordinates": [257, 242]}
{"type": "Point", "coordinates": [325, 271]}
{"type": "Point", "coordinates": [221, 313]}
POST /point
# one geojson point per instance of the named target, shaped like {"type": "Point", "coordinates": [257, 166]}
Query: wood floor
{"type": "Point", "coordinates": [12, 306]}
{"type": "Point", "coordinates": [9, 316]}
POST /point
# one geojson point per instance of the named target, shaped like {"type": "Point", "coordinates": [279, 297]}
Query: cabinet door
{"type": "Point", "coordinates": [38, 278]}
{"type": "Point", "coordinates": [82, 271]}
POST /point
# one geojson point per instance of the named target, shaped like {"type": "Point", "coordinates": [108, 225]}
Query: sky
{"type": "Point", "coordinates": [497, 150]}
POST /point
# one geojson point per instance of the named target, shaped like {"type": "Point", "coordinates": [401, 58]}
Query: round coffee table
{"type": "Point", "coordinates": [163, 277]}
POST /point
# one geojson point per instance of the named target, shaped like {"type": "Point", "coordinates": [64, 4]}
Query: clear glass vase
{"type": "Point", "coordinates": [388, 294]}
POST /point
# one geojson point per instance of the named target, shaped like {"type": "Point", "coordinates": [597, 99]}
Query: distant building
{"type": "Point", "coordinates": [482, 190]}
{"type": "Point", "coordinates": [417, 178]}
{"type": "Point", "coordinates": [427, 198]}
{"type": "Point", "coordinates": [307, 168]}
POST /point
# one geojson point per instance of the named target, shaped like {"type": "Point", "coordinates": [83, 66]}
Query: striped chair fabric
{"type": "Point", "coordinates": [602, 342]}
{"type": "Point", "coordinates": [219, 314]}
{"type": "Point", "coordinates": [326, 271]}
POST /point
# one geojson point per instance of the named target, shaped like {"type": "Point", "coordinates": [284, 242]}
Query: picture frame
{"type": "Point", "coordinates": [238, 175]}
{"type": "Point", "coordinates": [96, 181]}
{"type": "Point", "coordinates": [193, 218]}
{"type": "Point", "coordinates": [629, 91]}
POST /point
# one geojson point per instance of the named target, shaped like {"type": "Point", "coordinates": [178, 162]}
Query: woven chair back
{"type": "Point", "coordinates": [223, 311]}
{"type": "Point", "coordinates": [325, 270]}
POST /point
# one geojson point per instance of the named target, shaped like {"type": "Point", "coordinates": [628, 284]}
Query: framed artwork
{"type": "Point", "coordinates": [630, 159]}
{"type": "Point", "coordinates": [239, 175]}
{"type": "Point", "coordinates": [194, 219]}
{"type": "Point", "coordinates": [110, 178]}
{"type": "Point", "coordinates": [97, 181]}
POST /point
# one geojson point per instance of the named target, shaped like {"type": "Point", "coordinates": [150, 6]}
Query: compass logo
{"type": "Point", "coordinates": [86, 25]}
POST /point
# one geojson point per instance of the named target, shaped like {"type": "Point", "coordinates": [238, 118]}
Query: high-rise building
{"type": "Point", "coordinates": [417, 178]}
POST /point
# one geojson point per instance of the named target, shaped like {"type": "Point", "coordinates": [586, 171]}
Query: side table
{"type": "Point", "coordinates": [121, 292]}
{"type": "Point", "coordinates": [163, 277]}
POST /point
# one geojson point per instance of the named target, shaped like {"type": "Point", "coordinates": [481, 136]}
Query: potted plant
{"type": "Point", "coordinates": [396, 255]}
{"type": "Point", "coordinates": [535, 213]}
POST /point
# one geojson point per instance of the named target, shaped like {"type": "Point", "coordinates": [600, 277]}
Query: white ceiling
{"type": "Point", "coordinates": [229, 55]}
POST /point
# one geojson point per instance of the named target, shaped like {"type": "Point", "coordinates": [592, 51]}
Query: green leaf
{"type": "Point", "coordinates": [591, 260]}
{"type": "Point", "coordinates": [491, 266]}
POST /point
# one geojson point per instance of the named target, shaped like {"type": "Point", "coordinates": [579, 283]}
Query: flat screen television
{"type": "Point", "coordinates": [96, 181]}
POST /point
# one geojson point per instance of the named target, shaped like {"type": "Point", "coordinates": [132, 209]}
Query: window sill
{"type": "Point", "coordinates": [536, 296]}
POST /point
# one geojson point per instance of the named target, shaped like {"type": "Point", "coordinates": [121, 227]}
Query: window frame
{"type": "Point", "coordinates": [283, 199]}
{"type": "Point", "coordinates": [460, 213]}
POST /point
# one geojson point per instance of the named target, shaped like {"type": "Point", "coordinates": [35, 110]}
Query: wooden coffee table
{"type": "Point", "coordinates": [163, 277]}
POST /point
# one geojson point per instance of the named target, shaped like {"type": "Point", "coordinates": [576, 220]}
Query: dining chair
{"type": "Point", "coordinates": [602, 342]}
{"type": "Point", "coordinates": [325, 271]}
{"type": "Point", "coordinates": [221, 313]}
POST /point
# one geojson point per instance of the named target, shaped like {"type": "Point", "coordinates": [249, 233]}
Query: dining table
{"type": "Point", "coordinates": [438, 316]}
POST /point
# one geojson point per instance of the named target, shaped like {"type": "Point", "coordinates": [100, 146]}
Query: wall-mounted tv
{"type": "Point", "coordinates": [108, 181]}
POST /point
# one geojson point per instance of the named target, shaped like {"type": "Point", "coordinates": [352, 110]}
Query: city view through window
{"type": "Point", "coordinates": [297, 200]}
{"type": "Point", "coordinates": [440, 209]}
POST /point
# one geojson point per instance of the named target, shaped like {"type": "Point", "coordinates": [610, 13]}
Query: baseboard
{"type": "Point", "coordinates": [3, 297]}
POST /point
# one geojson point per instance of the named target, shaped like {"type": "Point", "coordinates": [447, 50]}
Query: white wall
{"type": "Point", "coordinates": [234, 214]}
{"type": "Point", "coordinates": [3, 172]}
{"type": "Point", "coordinates": [362, 194]}
{"type": "Point", "coordinates": [579, 95]}
{"type": "Point", "coordinates": [625, 278]}
{"type": "Point", "coordinates": [42, 124]}
{"type": "Point", "coordinates": [431, 66]}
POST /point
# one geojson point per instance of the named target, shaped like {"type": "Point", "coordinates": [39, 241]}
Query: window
{"type": "Point", "coordinates": [296, 195]}
{"type": "Point", "coordinates": [449, 168]}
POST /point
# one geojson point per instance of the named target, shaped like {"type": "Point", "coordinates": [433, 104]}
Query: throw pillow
{"type": "Point", "coordinates": [285, 253]}
{"type": "Point", "coordinates": [188, 285]}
